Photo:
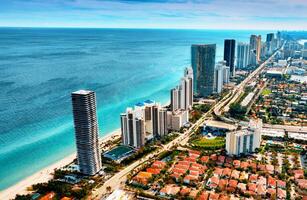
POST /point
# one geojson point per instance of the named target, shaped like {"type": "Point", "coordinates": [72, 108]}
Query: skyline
{"type": "Point", "coordinates": [173, 14]}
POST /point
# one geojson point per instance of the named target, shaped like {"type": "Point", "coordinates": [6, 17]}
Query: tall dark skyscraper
{"type": "Point", "coordinates": [229, 54]}
{"type": "Point", "coordinates": [269, 37]}
{"type": "Point", "coordinates": [86, 131]}
{"type": "Point", "coordinates": [203, 64]}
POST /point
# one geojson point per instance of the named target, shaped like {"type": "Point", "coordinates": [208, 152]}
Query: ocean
{"type": "Point", "coordinates": [39, 68]}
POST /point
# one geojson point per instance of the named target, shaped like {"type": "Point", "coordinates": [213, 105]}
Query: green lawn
{"type": "Point", "coordinates": [203, 142]}
{"type": "Point", "coordinates": [266, 91]}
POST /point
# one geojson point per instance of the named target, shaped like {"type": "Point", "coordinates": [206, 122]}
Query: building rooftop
{"type": "Point", "coordinates": [82, 92]}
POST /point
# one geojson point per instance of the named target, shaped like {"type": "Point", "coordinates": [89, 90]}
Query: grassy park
{"type": "Point", "coordinates": [209, 143]}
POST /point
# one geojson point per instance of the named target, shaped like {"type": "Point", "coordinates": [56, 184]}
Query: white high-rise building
{"type": "Point", "coordinates": [242, 55]}
{"type": "Point", "coordinates": [182, 95]}
{"type": "Point", "coordinates": [226, 74]}
{"type": "Point", "coordinates": [246, 140]}
{"type": "Point", "coordinates": [175, 98]}
{"type": "Point", "coordinates": [86, 131]}
{"type": "Point", "coordinates": [219, 76]}
{"type": "Point", "coordinates": [177, 119]}
{"type": "Point", "coordinates": [147, 121]}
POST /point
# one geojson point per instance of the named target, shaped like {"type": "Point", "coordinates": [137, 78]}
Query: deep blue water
{"type": "Point", "coordinates": [39, 68]}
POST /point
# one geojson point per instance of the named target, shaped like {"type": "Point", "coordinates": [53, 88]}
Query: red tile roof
{"type": "Point", "coordinates": [253, 178]}
{"type": "Point", "coordinates": [213, 157]}
{"type": "Point", "coordinates": [218, 171]}
{"type": "Point", "coordinates": [185, 191]}
{"type": "Point", "coordinates": [227, 172]}
{"type": "Point", "coordinates": [204, 159]}
{"type": "Point", "coordinates": [224, 197]}
{"type": "Point", "coordinates": [298, 173]}
{"type": "Point", "coordinates": [271, 182]}
{"type": "Point", "coordinates": [244, 165]}
{"type": "Point", "coordinates": [261, 190]}
{"type": "Point", "coordinates": [223, 183]}
{"type": "Point", "coordinates": [233, 183]}
{"type": "Point", "coordinates": [281, 193]}
{"type": "Point", "coordinates": [203, 196]}
{"type": "Point", "coordinates": [214, 196]}
{"type": "Point", "coordinates": [271, 191]}
{"type": "Point", "coordinates": [170, 190]}
{"type": "Point", "coordinates": [302, 183]}
{"type": "Point", "coordinates": [48, 196]}
{"type": "Point", "coordinates": [281, 184]}
{"type": "Point", "coordinates": [242, 187]}
{"type": "Point", "coordinates": [213, 181]}
{"type": "Point", "coordinates": [236, 163]}
{"type": "Point", "coordinates": [153, 170]}
{"type": "Point", "coordinates": [235, 174]}
{"type": "Point", "coordinates": [251, 187]}
{"type": "Point", "coordinates": [158, 164]}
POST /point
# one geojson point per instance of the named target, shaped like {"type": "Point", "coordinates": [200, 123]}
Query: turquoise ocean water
{"type": "Point", "coordinates": [39, 68]}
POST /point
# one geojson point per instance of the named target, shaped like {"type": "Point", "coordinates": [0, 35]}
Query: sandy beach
{"type": "Point", "coordinates": [45, 174]}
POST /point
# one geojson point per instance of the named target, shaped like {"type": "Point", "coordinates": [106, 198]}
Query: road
{"type": "Point", "coordinates": [120, 177]}
{"type": "Point", "coordinates": [223, 106]}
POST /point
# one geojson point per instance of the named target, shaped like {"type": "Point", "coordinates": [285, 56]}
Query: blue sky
{"type": "Point", "coordinates": [189, 14]}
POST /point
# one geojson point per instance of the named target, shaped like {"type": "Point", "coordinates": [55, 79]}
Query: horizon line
{"type": "Point", "coordinates": [150, 28]}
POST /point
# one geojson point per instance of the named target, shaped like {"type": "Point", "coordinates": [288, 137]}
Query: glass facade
{"type": "Point", "coordinates": [203, 64]}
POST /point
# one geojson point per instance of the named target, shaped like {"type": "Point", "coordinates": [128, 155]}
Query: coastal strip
{"type": "Point", "coordinates": [46, 174]}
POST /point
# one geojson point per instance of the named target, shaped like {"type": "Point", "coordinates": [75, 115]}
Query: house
{"type": "Point", "coordinates": [204, 159]}
{"type": "Point", "coordinates": [169, 190]}
{"type": "Point", "coordinates": [252, 187]}
{"type": "Point", "coordinates": [185, 191]}
{"type": "Point", "coordinates": [302, 183]}
{"type": "Point", "coordinates": [242, 187]}
{"type": "Point", "coordinates": [188, 179]}
{"type": "Point", "coordinates": [235, 174]}
{"type": "Point", "coordinates": [142, 178]}
{"type": "Point", "coordinates": [213, 182]}
{"type": "Point", "coordinates": [226, 172]}
{"type": "Point", "coordinates": [218, 171]}
{"type": "Point", "coordinates": [261, 190]}
{"type": "Point", "coordinates": [298, 173]}
{"type": "Point", "coordinates": [48, 196]}
{"type": "Point", "coordinates": [224, 197]}
{"type": "Point", "coordinates": [271, 192]}
{"type": "Point", "coordinates": [220, 160]}
{"type": "Point", "coordinates": [194, 153]}
{"type": "Point", "coordinates": [232, 185]}
{"type": "Point", "coordinates": [203, 196]}
{"type": "Point", "coordinates": [281, 184]}
{"type": "Point", "coordinates": [236, 163]}
{"type": "Point", "coordinates": [243, 176]}
{"type": "Point", "coordinates": [270, 169]}
{"type": "Point", "coordinates": [223, 183]}
{"type": "Point", "coordinates": [193, 194]}
{"type": "Point", "coordinates": [158, 164]}
{"type": "Point", "coordinates": [253, 178]}
{"type": "Point", "coordinates": [214, 196]}
{"type": "Point", "coordinates": [261, 167]}
{"type": "Point", "coordinates": [253, 166]}
{"type": "Point", "coordinates": [271, 182]}
{"type": "Point", "coordinates": [153, 170]}
{"type": "Point", "coordinates": [244, 165]}
{"type": "Point", "coordinates": [262, 180]}
{"type": "Point", "coordinates": [281, 193]}
{"type": "Point", "coordinates": [213, 157]}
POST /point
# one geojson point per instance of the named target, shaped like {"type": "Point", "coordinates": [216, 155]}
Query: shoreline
{"type": "Point", "coordinates": [45, 174]}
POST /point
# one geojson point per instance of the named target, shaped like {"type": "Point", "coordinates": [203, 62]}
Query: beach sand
{"type": "Point", "coordinates": [45, 174]}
